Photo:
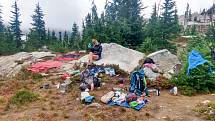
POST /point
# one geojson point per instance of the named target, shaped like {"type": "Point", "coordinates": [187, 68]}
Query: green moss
{"type": "Point", "coordinates": [212, 105]}
{"type": "Point", "coordinates": [23, 97]}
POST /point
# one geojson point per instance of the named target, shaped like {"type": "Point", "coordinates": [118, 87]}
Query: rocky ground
{"type": "Point", "coordinates": [54, 106]}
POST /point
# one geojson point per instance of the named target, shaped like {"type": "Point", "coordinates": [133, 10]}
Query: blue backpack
{"type": "Point", "coordinates": [137, 84]}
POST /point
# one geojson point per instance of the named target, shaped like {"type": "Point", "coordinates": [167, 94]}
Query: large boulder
{"type": "Point", "coordinates": [166, 61]}
{"type": "Point", "coordinates": [11, 65]}
{"type": "Point", "coordinates": [126, 58]}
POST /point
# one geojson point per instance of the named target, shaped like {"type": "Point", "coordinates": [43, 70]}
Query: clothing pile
{"type": "Point", "coordinates": [68, 57]}
{"type": "Point", "coordinates": [125, 100]}
{"type": "Point", "coordinates": [86, 97]}
{"type": "Point", "coordinates": [99, 69]}
{"type": "Point", "coordinates": [89, 79]}
{"type": "Point", "coordinates": [64, 87]}
{"type": "Point", "coordinates": [44, 66]}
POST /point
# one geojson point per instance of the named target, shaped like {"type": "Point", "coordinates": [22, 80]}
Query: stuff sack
{"type": "Point", "coordinates": [131, 97]}
{"type": "Point", "coordinates": [84, 86]}
{"type": "Point", "coordinates": [96, 82]}
{"type": "Point", "coordinates": [107, 97]}
{"type": "Point", "coordinates": [137, 82]}
{"type": "Point", "coordinates": [87, 79]}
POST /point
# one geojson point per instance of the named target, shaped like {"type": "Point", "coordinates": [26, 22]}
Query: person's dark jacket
{"type": "Point", "coordinates": [97, 50]}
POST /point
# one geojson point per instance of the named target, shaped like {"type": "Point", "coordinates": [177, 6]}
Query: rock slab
{"type": "Point", "coordinates": [166, 61]}
{"type": "Point", "coordinates": [11, 65]}
{"type": "Point", "coordinates": [126, 58]}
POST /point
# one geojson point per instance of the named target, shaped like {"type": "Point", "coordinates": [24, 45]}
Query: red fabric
{"type": "Point", "coordinates": [65, 75]}
{"type": "Point", "coordinates": [44, 66]}
{"type": "Point", "coordinates": [65, 59]}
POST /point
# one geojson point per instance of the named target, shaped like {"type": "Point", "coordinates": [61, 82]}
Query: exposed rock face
{"type": "Point", "coordinates": [11, 65]}
{"type": "Point", "coordinates": [126, 58]}
{"type": "Point", "coordinates": [166, 61]}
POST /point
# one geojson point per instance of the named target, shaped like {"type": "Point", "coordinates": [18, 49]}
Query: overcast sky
{"type": "Point", "coordinates": [61, 14]}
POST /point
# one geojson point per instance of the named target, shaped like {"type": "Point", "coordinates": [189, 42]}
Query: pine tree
{"type": "Point", "coordinates": [48, 36]}
{"type": "Point", "coordinates": [75, 38]}
{"type": "Point", "coordinates": [1, 21]}
{"type": "Point", "coordinates": [176, 25]}
{"type": "Point", "coordinates": [186, 15]}
{"type": "Point", "coordinates": [54, 38]}
{"type": "Point", "coordinates": [167, 19]}
{"type": "Point", "coordinates": [15, 25]}
{"type": "Point", "coordinates": [124, 22]}
{"type": "Point", "coordinates": [39, 24]}
{"type": "Point", "coordinates": [153, 25]}
{"type": "Point", "coordinates": [60, 36]}
{"type": "Point", "coordinates": [190, 15]}
{"type": "Point", "coordinates": [66, 39]}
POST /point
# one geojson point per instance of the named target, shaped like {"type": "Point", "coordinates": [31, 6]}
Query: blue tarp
{"type": "Point", "coordinates": [126, 105]}
{"type": "Point", "coordinates": [195, 59]}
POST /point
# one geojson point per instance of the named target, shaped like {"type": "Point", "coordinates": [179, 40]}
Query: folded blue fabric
{"type": "Point", "coordinates": [126, 105]}
{"type": "Point", "coordinates": [89, 99]}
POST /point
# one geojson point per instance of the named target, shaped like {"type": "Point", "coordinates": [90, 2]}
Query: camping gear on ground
{"type": "Point", "coordinates": [87, 79]}
{"type": "Point", "coordinates": [74, 72]}
{"type": "Point", "coordinates": [107, 97]}
{"type": "Point", "coordinates": [65, 75]}
{"type": "Point", "coordinates": [131, 97]}
{"type": "Point", "coordinates": [121, 80]}
{"type": "Point", "coordinates": [64, 87]}
{"type": "Point", "coordinates": [133, 104]}
{"type": "Point", "coordinates": [45, 86]}
{"type": "Point", "coordinates": [121, 85]}
{"type": "Point", "coordinates": [68, 57]}
{"type": "Point", "coordinates": [44, 66]}
{"type": "Point", "coordinates": [84, 86]}
{"type": "Point", "coordinates": [138, 83]}
{"type": "Point", "coordinates": [195, 59]}
{"type": "Point", "coordinates": [156, 91]}
{"type": "Point", "coordinates": [121, 99]}
{"type": "Point", "coordinates": [110, 71]}
{"type": "Point", "coordinates": [174, 91]}
{"type": "Point", "coordinates": [86, 97]}
{"type": "Point", "coordinates": [126, 104]}
{"type": "Point", "coordinates": [96, 82]}
{"type": "Point", "coordinates": [95, 70]}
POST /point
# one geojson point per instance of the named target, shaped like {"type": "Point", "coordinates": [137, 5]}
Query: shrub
{"type": "Point", "coordinates": [206, 111]}
{"type": "Point", "coordinates": [23, 97]}
{"type": "Point", "coordinates": [199, 80]}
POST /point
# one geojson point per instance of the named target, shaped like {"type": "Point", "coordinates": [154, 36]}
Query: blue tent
{"type": "Point", "coordinates": [195, 59]}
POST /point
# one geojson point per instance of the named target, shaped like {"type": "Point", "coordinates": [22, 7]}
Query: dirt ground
{"type": "Point", "coordinates": [54, 106]}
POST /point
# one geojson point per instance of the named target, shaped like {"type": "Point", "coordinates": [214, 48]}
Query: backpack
{"type": "Point", "coordinates": [137, 84]}
{"type": "Point", "coordinates": [87, 77]}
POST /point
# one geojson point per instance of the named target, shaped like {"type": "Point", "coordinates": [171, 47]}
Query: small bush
{"type": "Point", "coordinates": [23, 97]}
{"type": "Point", "coordinates": [199, 81]}
{"type": "Point", "coordinates": [206, 111]}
